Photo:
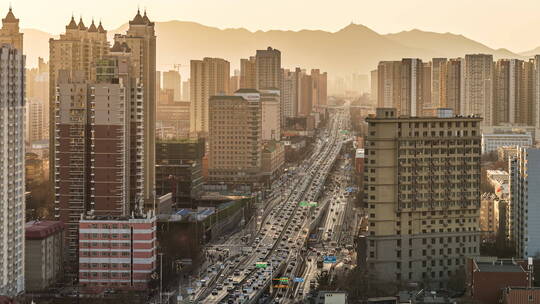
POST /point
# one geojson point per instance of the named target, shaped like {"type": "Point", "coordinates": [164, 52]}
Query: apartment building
{"type": "Point", "coordinates": [209, 77]}
{"type": "Point", "coordinates": [12, 161]}
{"type": "Point", "coordinates": [422, 181]}
{"type": "Point", "coordinates": [99, 146]}
{"type": "Point", "coordinates": [117, 252]}
{"type": "Point", "coordinates": [268, 64]}
{"type": "Point", "coordinates": [525, 201]}
{"type": "Point", "coordinates": [248, 73]}
{"type": "Point", "coordinates": [479, 87]}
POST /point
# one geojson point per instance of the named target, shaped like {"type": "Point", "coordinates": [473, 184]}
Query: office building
{"type": "Point", "coordinates": [271, 114]}
{"type": "Point", "coordinates": [248, 73]}
{"type": "Point", "coordinates": [44, 255]}
{"type": "Point", "coordinates": [209, 77]}
{"type": "Point", "coordinates": [99, 150]}
{"type": "Point", "coordinates": [451, 84]}
{"type": "Point", "coordinates": [525, 202]}
{"type": "Point", "coordinates": [422, 189]}
{"type": "Point", "coordinates": [64, 54]}
{"type": "Point", "coordinates": [125, 255]}
{"type": "Point", "coordinates": [12, 162]}
{"type": "Point", "coordinates": [140, 40]}
{"type": "Point", "coordinates": [268, 64]}
{"type": "Point", "coordinates": [235, 160]}
{"type": "Point", "coordinates": [173, 81]}
{"type": "Point", "coordinates": [479, 87]}
{"type": "Point", "coordinates": [491, 142]}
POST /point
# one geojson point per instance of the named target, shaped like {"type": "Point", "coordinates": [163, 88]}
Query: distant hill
{"type": "Point", "coordinates": [355, 48]}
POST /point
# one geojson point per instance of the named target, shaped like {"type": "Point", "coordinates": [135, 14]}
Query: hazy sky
{"type": "Point", "coordinates": [496, 23]}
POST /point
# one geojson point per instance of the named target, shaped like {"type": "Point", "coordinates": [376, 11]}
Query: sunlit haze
{"type": "Point", "coordinates": [496, 23]}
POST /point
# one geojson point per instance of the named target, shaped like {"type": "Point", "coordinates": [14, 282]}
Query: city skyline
{"type": "Point", "coordinates": [383, 17]}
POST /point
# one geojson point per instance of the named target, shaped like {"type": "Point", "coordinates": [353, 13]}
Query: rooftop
{"type": "Point", "coordinates": [499, 266]}
{"type": "Point", "coordinates": [36, 230]}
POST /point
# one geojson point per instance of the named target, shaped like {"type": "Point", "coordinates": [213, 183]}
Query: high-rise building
{"type": "Point", "coordinates": [359, 83]}
{"type": "Point", "coordinates": [35, 125]}
{"type": "Point", "coordinates": [158, 81]}
{"type": "Point", "coordinates": [12, 158]}
{"type": "Point", "coordinates": [271, 114]}
{"type": "Point", "coordinates": [411, 100]}
{"type": "Point", "coordinates": [173, 81]}
{"type": "Point", "coordinates": [506, 93]}
{"type": "Point", "coordinates": [140, 39]}
{"type": "Point", "coordinates": [389, 89]}
{"type": "Point", "coordinates": [422, 189]}
{"type": "Point", "coordinates": [99, 150]}
{"type": "Point", "coordinates": [268, 63]}
{"type": "Point", "coordinates": [525, 202]}
{"type": "Point", "coordinates": [185, 90]}
{"type": "Point", "coordinates": [374, 86]}
{"type": "Point", "coordinates": [451, 84]}
{"type": "Point", "coordinates": [248, 73]}
{"type": "Point", "coordinates": [289, 94]}
{"type": "Point", "coordinates": [435, 81]}
{"type": "Point", "coordinates": [305, 96]}
{"type": "Point", "coordinates": [234, 84]}
{"type": "Point", "coordinates": [536, 91]}
{"type": "Point", "coordinates": [319, 83]}
{"type": "Point", "coordinates": [209, 77]}
{"type": "Point", "coordinates": [427, 106]}
{"type": "Point", "coordinates": [37, 94]}
{"type": "Point", "coordinates": [479, 87]}
{"type": "Point", "coordinates": [235, 161]}
{"type": "Point", "coordinates": [65, 54]}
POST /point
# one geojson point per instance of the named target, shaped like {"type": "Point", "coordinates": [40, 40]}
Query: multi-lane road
{"type": "Point", "coordinates": [278, 244]}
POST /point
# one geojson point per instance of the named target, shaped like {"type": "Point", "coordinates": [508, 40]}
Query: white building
{"type": "Point", "coordinates": [525, 202]}
{"type": "Point", "coordinates": [271, 117]}
{"type": "Point", "coordinates": [491, 142]}
{"type": "Point", "coordinates": [12, 151]}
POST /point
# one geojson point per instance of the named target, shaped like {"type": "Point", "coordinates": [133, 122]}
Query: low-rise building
{"type": "Point", "coordinates": [488, 276]}
{"type": "Point", "coordinates": [492, 212]}
{"type": "Point", "coordinates": [117, 253]}
{"type": "Point", "coordinates": [499, 180]}
{"type": "Point", "coordinates": [44, 254]}
{"type": "Point", "coordinates": [520, 295]}
{"type": "Point", "coordinates": [491, 142]}
{"type": "Point", "coordinates": [332, 297]}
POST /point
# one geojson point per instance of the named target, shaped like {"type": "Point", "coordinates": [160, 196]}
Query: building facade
{"type": "Point", "coordinates": [117, 252]}
{"type": "Point", "coordinates": [422, 181]}
{"type": "Point", "coordinates": [491, 142]}
{"type": "Point", "coordinates": [235, 138]}
{"type": "Point", "coordinates": [44, 256]}
{"type": "Point", "coordinates": [268, 64]}
{"type": "Point", "coordinates": [12, 168]}
{"type": "Point", "coordinates": [209, 77]}
{"type": "Point", "coordinates": [248, 73]}
{"type": "Point", "coordinates": [525, 202]}
{"type": "Point", "coordinates": [271, 114]}
{"type": "Point", "coordinates": [479, 87]}
{"type": "Point", "coordinates": [173, 81]}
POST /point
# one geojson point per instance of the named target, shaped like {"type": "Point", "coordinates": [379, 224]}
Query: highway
{"type": "Point", "coordinates": [279, 241]}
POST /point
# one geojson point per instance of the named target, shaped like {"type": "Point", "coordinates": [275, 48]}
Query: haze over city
{"type": "Point", "coordinates": [261, 152]}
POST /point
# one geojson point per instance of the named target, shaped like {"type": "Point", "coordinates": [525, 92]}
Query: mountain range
{"type": "Point", "coordinates": [353, 49]}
